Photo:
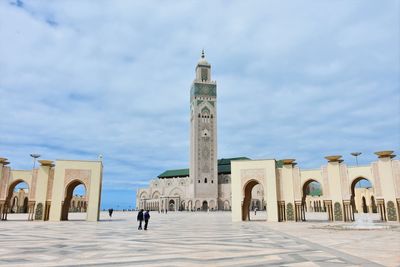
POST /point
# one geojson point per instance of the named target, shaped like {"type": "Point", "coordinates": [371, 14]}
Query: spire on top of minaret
{"type": "Point", "coordinates": [203, 60]}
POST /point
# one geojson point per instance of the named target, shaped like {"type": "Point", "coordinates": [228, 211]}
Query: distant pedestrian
{"type": "Point", "coordinates": [146, 219]}
{"type": "Point", "coordinates": [110, 212]}
{"type": "Point", "coordinates": [140, 219]}
{"type": "Point", "coordinates": [255, 211]}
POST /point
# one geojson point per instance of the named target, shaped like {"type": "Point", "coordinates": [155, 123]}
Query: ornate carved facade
{"type": "Point", "coordinates": [50, 188]}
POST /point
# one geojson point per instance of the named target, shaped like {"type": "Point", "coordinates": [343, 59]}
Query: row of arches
{"type": "Point", "coordinates": [176, 204]}
{"type": "Point", "coordinates": [362, 200]}
{"type": "Point", "coordinates": [361, 189]}
{"type": "Point", "coordinates": [78, 206]}
{"type": "Point", "coordinates": [18, 201]}
{"type": "Point", "coordinates": [19, 205]}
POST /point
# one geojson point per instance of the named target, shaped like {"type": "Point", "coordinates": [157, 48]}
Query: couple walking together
{"type": "Point", "coordinates": [143, 216]}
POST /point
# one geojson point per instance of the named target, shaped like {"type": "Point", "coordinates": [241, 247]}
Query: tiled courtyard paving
{"type": "Point", "coordinates": [192, 239]}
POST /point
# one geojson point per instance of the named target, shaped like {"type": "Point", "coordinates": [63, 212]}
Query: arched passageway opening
{"type": "Point", "coordinates": [17, 202]}
{"type": "Point", "coordinates": [204, 206]}
{"type": "Point", "coordinates": [362, 196]}
{"type": "Point", "coordinates": [75, 188]}
{"type": "Point", "coordinates": [312, 202]}
{"type": "Point", "coordinates": [251, 205]}
{"type": "Point", "coordinates": [362, 199]}
{"type": "Point", "coordinates": [14, 205]}
{"type": "Point", "coordinates": [227, 205]}
{"type": "Point", "coordinates": [78, 201]}
{"type": "Point", "coordinates": [171, 205]}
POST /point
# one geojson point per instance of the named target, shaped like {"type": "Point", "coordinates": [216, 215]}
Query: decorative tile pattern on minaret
{"type": "Point", "coordinates": [203, 133]}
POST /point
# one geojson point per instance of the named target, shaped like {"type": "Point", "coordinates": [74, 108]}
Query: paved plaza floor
{"type": "Point", "coordinates": [192, 239]}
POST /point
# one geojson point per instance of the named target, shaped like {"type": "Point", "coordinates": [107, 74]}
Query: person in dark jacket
{"type": "Point", "coordinates": [140, 218]}
{"type": "Point", "coordinates": [146, 219]}
{"type": "Point", "coordinates": [110, 212]}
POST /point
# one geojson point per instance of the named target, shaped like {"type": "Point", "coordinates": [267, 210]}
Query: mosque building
{"type": "Point", "coordinates": [206, 184]}
{"type": "Point", "coordinates": [278, 186]}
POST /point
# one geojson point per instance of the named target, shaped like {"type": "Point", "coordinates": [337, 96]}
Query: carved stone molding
{"type": "Point", "coordinates": [253, 174]}
{"type": "Point", "coordinates": [396, 176]}
{"type": "Point", "coordinates": [334, 158]}
{"type": "Point", "coordinates": [375, 173]}
{"type": "Point", "coordinates": [297, 184]}
{"type": "Point", "coordinates": [32, 188]}
{"type": "Point", "coordinates": [4, 182]}
{"type": "Point", "coordinates": [344, 180]}
{"type": "Point", "coordinates": [82, 175]}
{"type": "Point", "coordinates": [325, 181]}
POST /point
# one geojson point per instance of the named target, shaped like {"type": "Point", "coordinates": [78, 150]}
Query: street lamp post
{"type": "Point", "coordinates": [31, 207]}
{"type": "Point", "coordinates": [34, 156]}
{"type": "Point", "coordinates": [356, 154]}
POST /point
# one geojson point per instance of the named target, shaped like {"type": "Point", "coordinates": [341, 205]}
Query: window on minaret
{"type": "Point", "coordinates": [205, 180]}
{"type": "Point", "coordinates": [204, 75]}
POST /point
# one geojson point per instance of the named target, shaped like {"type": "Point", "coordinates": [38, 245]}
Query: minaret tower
{"type": "Point", "coordinates": [203, 136]}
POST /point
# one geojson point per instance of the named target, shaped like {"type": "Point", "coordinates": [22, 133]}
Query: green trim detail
{"type": "Point", "coordinates": [391, 211]}
{"type": "Point", "coordinates": [289, 212]}
{"type": "Point", "coordinates": [338, 212]}
{"type": "Point", "coordinates": [203, 89]}
{"type": "Point", "coordinates": [39, 212]}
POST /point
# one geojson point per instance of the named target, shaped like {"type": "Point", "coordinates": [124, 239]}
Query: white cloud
{"type": "Point", "coordinates": [295, 79]}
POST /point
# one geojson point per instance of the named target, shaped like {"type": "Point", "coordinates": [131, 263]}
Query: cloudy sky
{"type": "Point", "coordinates": [296, 79]}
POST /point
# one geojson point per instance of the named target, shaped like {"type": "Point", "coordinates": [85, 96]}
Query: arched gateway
{"type": "Point", "coordinates": [330, 193]}
{"type": "Point", "coordinates": [245, 175]}
{"type": "Point", "coordinates": [51, 187]}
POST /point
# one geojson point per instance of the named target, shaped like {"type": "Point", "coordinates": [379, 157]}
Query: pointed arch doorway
{"type": "Point", "coordinates": [69, 192]}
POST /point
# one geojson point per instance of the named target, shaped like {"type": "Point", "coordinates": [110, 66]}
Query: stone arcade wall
{"type": "Point", "coordinates": [284, 187]}
{"type": "Point", "coordinates": [178, 188]}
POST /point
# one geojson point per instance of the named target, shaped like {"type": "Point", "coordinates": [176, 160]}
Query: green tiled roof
{"type": "Point", "coordinates": [224, 167]}
{"type": "Point", "coordinates": [174, 173]}
{"type": "Point", "coordinates": [228, 160]}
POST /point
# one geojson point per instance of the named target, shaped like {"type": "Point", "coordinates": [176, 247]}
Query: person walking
{"type": "Point", "coordinates": [140, 219]}
{"type": "Point", "coordinates": [110, 212]}
{"type": "Point", "coordinates": [146, 219]}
